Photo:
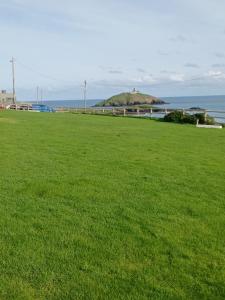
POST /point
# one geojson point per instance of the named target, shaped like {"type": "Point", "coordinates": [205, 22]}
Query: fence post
{"type": "Point", "coordinates": [205, 116]}
{"type": "Point", "coordinates": [124, 112]}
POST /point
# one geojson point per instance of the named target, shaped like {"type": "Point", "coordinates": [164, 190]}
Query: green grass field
{"type": "Point", "coordinates": [95, 207]}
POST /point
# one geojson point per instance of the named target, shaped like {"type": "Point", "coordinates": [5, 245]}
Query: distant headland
{"type": "Point", "coordinates": [130, 99]}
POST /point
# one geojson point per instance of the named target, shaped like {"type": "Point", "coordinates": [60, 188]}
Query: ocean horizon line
{"type": "Point", "coordinates": [101, 99]}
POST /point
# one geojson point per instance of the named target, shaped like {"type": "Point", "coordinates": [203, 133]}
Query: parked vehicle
{"type": "Point", "coordinates": [42, 108]}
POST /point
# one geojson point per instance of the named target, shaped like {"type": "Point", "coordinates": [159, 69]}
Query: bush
{"type": "Point", "coordinates": [202, 120]}
{"type": "Point", "coordinates": [189, 119]}
{"type": "Point", "coordinates": [180, 117]}
{"type": "Point", "coordinates": [174, 116]}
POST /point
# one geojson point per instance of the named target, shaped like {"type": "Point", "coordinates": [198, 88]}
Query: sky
{"type": "Point", "coordinates": [163, 48]}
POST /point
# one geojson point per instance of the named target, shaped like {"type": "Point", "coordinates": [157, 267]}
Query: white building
{"type": "Point", "coordinates": [6, 98]}
{"type": "Point", "coordinates": [134, 91]}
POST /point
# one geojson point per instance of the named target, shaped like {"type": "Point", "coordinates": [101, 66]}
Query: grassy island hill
{"type": "Point", "coordinates": [133, 98]}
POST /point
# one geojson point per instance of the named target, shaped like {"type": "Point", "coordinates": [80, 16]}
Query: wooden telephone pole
{"type": "Point", "coordinates": [85, 95]}
{"type": "Point", "coordinates": [37, 94]}
{"type": "Point", "coordinates": [12, 61]}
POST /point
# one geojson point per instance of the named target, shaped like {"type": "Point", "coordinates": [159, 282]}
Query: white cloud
{"type": "Point", "coordinates": [216, 74]}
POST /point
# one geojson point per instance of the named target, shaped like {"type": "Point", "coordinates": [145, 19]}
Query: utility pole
{"type": "Point", "coordinates": [85, 95]}
{"type": "Point", "coordinates": [41, 95]}
{"type": "Point", "coordinates": [37, 94]}
{"type": "Point", "coordinates": [12, 61]}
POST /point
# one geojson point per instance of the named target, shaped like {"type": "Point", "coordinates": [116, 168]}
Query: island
{"type": "Point", "coordinates": [130, 99]}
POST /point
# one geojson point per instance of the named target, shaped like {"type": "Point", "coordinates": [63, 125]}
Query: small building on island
{"type": "Point", "coordinates": [134, 91]}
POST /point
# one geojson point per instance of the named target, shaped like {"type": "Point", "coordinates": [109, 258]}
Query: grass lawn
{"type": "Point", "coordinates": [95, 207]}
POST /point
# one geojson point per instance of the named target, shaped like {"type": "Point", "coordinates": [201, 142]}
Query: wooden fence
{"type": "Point", "coordinates": [149, 112]}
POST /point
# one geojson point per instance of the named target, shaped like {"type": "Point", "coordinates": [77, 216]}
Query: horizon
{"type": "Point", "coordinates": [101, 99]}
{"type": "Point", "coordinates": [161, 50]}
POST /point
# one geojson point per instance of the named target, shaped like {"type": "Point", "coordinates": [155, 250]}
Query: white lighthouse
{"type": "Point", "coordinates": [134, 91]}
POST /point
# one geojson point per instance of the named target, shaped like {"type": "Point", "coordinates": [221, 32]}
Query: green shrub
{"type": "Point", "coordinates": [205, 120]}
{"type": "Point", "coordinates": [189, 119]}
{"type": "Point", "coordinates": [174, 116]}
{"type": "Point", "coordinates": [180, 117]}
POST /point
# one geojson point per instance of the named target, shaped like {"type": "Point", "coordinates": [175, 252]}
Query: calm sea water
{"type": "Point", "coordinates": [206, 102]}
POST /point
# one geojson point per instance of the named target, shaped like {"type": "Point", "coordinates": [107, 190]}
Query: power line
{"type": "Point", "coordinates": [43, 74]}
{"type": "Point", "coordinates": [153, 85]}
{"type": "Point", "coordinates": [70, 82]}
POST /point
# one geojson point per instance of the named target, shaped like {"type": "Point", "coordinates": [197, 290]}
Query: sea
{"type": "Point", "coordinates": [203, 102]}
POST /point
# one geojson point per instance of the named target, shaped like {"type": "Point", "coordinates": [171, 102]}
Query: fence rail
{"type": "Point", "coordinates": [146, 112]}
{"type": "Point", "coordinates": [153, 112]}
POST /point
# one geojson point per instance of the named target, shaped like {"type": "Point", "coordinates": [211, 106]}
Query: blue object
{"type": "Point", "coordinates": [42, 108]}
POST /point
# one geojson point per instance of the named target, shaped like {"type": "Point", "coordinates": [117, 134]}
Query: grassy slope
{"type": "Point", "coordinates": [110, 208]}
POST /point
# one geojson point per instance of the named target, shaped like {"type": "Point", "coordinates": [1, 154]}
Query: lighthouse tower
{"type": "Point", "coordinates": [134, 91]}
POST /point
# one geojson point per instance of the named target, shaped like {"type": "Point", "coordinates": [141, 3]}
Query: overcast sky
{"type": "Point", "coordinates": [164, 48]}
